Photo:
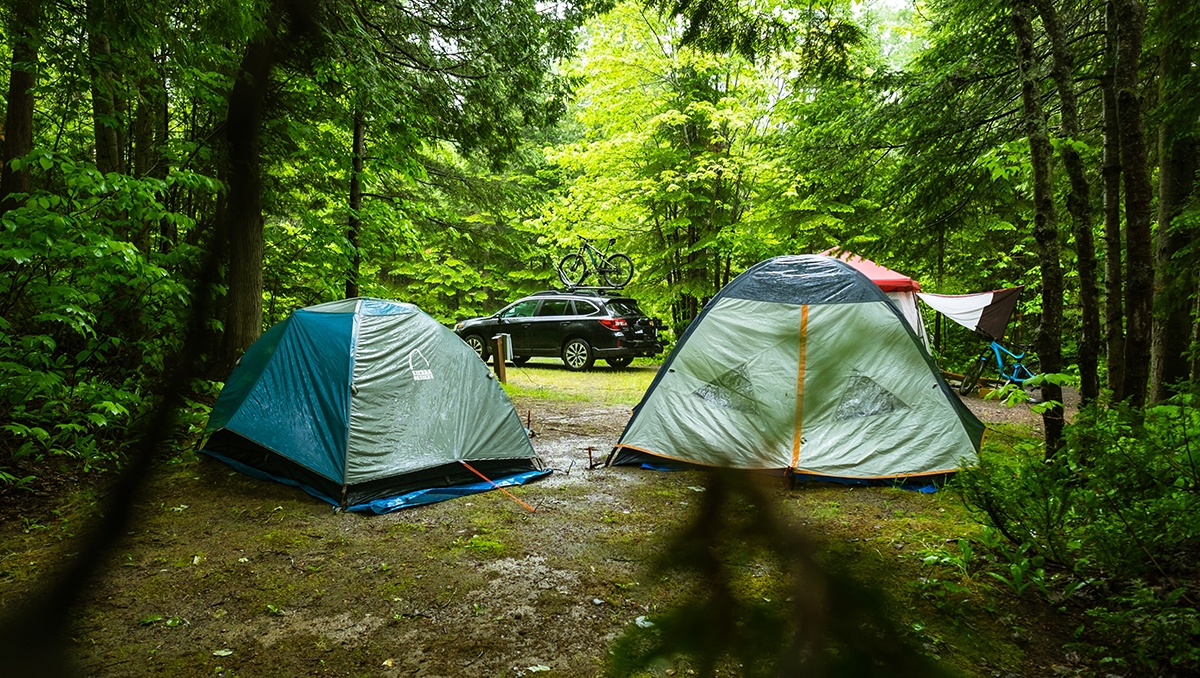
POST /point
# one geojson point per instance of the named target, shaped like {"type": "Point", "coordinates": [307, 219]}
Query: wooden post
{"type": "Point", "coordinates": [499, 354]}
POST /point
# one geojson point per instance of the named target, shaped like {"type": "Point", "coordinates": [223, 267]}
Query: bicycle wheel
{"type": "Point", "coordinates": [618, 270]}
{"type": "Point", "coordinates": [572, 269]}
{"type": "Point", "coordinates": [971, 378]}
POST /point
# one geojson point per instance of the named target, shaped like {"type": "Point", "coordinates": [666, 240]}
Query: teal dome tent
{"type": "Point", "coordinates": [370, 405]}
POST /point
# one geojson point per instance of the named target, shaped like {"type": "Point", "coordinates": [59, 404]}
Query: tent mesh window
{"type": "Point", "coordinates": [865, 398]}
{"type": "Point", "coordinates": [732, 391]}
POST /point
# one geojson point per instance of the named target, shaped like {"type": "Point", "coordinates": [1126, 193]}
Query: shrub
{"type": "Point", "coordinates": [1121, 503]}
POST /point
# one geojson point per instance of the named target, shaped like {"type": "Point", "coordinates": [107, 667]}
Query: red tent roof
{"type": "Point", "coordinates": [887, 279]}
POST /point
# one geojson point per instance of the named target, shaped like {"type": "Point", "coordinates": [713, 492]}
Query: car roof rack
{"type": "Point", "coordinates": [582, 291]}
{"type": "Point", "coordinates": [597, 291]}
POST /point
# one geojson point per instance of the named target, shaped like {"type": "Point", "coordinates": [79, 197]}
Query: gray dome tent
{"type": "Point", "coordinates": [802, 364]}
{"type": "Point", "coordinates": [371, 405]}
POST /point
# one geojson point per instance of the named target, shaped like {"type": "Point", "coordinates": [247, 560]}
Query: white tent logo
{"type": "Point", "coordinates": [420, 366]}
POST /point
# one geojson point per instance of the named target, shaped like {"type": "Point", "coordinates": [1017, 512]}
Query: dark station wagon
{"type": "Point", "coordinates": [577, 326]}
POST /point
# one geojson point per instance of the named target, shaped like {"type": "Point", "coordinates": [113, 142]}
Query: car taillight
{"type": "Point", "coordinates": [614, 323]}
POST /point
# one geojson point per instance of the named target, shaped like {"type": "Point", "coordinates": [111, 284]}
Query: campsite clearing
{"type": "Point", "coordinates": [225, 575]}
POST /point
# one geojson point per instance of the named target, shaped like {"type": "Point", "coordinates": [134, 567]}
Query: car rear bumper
{"type": "Point", "coordinates": [635, 350]}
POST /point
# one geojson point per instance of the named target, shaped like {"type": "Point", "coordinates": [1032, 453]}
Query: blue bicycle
{"type": "Point", "coordinates": [1009, 364]}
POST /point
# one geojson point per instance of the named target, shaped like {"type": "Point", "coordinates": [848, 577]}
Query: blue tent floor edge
{"type": "Point", "coordinates": [381, 505]}
{"type": "Point", "coordinates": [436, 494]}
{"type": "Point", "coordinates": [925, 484]}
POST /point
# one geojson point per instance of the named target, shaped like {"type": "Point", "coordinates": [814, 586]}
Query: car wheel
{"type": "Point", "coordinates": [520, 360]}
{"type": "Point", "coordinates": [619, 363]}
{"type": "Point", "coordinates": [577, 355]}
{"type": "Point", "coordinates": [478, 345]}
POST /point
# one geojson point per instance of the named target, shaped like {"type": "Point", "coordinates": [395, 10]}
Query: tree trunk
{"type": "Point", "coordinates": [147, 154]}
{"type": "Point", "coordinates": [1139, 262]}
{"type": "Point", "coordinates": [244, 218]}
{"type": "Point", "coordinates": [168, 233]}
{"type": "Point", "coordinates": [1079, 204]}
{"type": "Point", "coordinates": [355, 222]}
{"type": "Point", "coordinates": [18, 119]}
{"type": "Point", "coordinates": [147, 157]}
{"type": "Point", "coordinates": [1175, 278]}
{"type": "Point", "coordinates": [1045, 230]}
{"type": "Point", "coordinates": [1114, 293]}
{"type": "Point", "coordinates": [104, 110]}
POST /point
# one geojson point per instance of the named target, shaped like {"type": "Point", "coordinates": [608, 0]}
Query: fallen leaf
{"type": "Point", "coordinates": [222, 653]}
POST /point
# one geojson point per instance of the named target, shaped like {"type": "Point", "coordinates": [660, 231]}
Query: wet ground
{"type": "Point", "coordinates": [225, 575]}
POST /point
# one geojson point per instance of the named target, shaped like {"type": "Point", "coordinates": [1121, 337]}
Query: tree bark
{"type": "Point", "coordinates": [1175, 278]}
{"type": "Point", "coordinates": [1139, 261]}
{"type": "Point", "coordinates": [243, 214]}
{"type": "Point", "coordinates": [18, 119]}
{"type": "Point", "coordinates": [104, 110]}
{"type": "Point", "coordinates": [1114, 292]}
{"type": "Point", "coordinates": [1079, 203]}
{"type": "Point", "coordinates": [1045, 229]}
{"type": "Point", "coordinates": [148, 133]}
{"type": "Point", "coordinates": [355, 222]}
{"type": "Point", "coordinates": [168, 232]}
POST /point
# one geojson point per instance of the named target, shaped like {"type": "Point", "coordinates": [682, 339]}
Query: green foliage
{"type": "Point", "coordinates": [1119, 503]}
{"type": "Point", "coordinates": [87, 317]}
{"type": "Point", "coordinates": [1151, 629]}
{"type": "Point", "coordinates": [96, 269]}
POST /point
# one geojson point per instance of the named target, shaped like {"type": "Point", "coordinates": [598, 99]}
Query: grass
{"type": "Point", "coordinates": [549, 379]}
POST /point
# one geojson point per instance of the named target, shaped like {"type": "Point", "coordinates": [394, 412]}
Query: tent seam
{"type": "Point", "coordinates": [356, 327]}
{"type": "Point", "coordinates": [800, 385]}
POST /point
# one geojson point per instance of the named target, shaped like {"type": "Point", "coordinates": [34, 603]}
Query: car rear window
{"type": "Point", "coordinates": [585, 308]}
{"type": "Point", "coordinates": [624, 307]}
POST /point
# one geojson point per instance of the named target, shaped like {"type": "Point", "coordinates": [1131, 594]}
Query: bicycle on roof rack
{"type": "Point", "coordinates": [615, 269]}
{"type": "Point", "coordinates": [1009, 364]}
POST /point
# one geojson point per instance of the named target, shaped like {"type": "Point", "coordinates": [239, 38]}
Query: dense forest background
{"type": "Point", "coordinates": [447, 153]}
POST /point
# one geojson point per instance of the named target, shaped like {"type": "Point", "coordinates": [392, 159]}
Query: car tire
{"type": "Point", "coordinates": [478, 345]}
{"type": "Point", "coordinates": [577, 355]}
{"type": "Point", "coordinates": [520, 360]}
{"type": "Point", "coordinates": [619, 363]}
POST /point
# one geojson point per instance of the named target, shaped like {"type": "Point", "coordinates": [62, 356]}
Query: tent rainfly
{"type": "Point", "coordinates": [901, 289]}
{"type": "Point", "coordinates": [370, 405]}
{"type": "Point", "coordinates": [802, 364]}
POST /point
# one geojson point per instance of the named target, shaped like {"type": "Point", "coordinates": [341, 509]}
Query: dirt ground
{"type": "Point", "coordinates": [224, 575]}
